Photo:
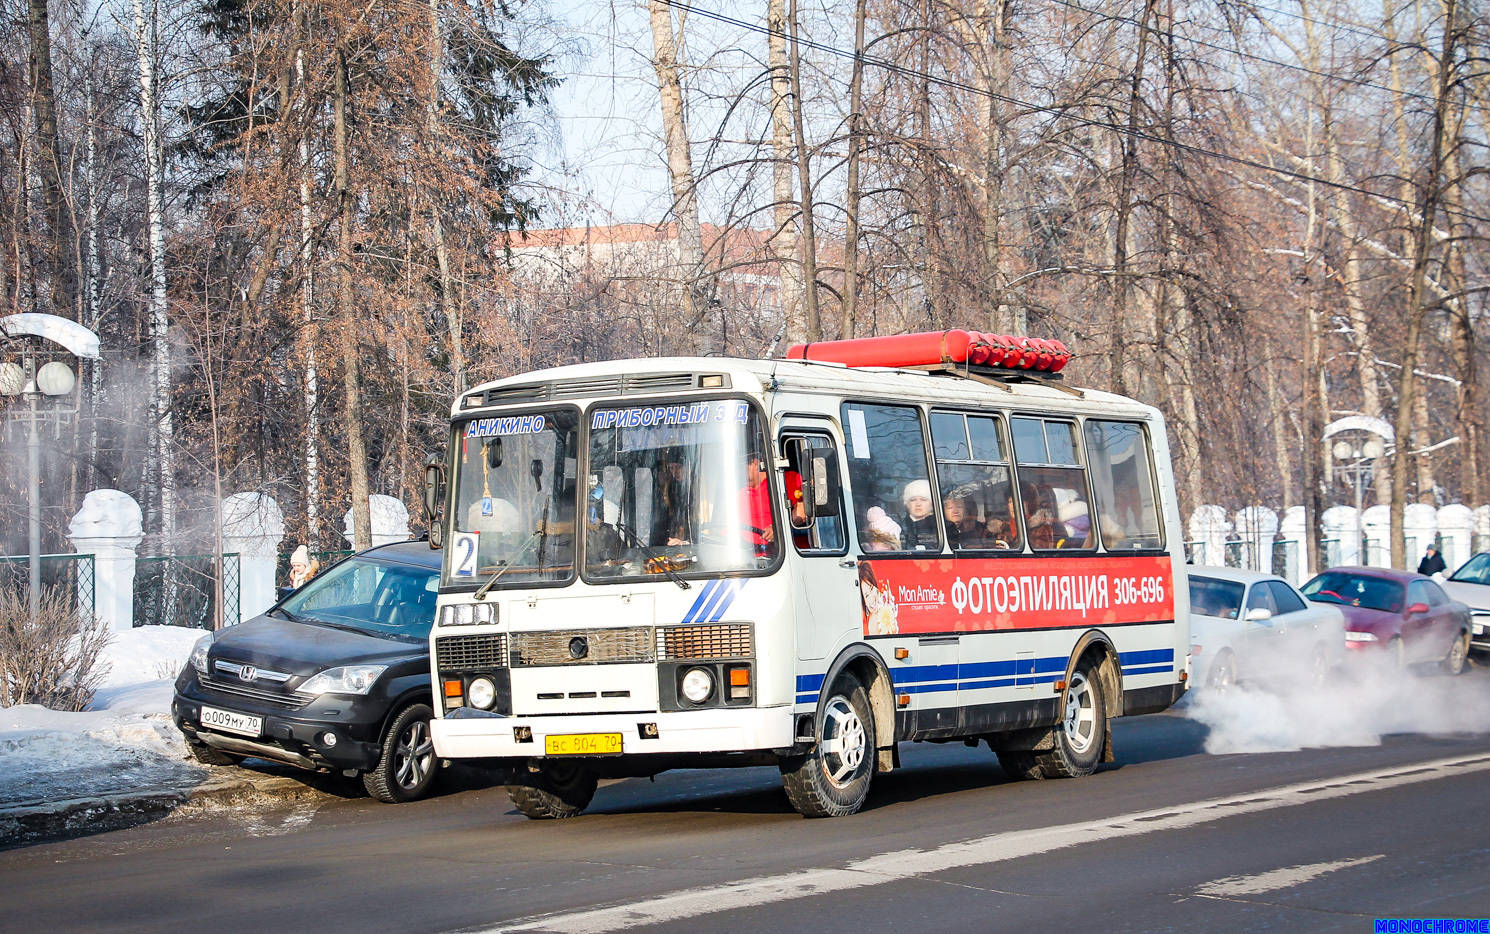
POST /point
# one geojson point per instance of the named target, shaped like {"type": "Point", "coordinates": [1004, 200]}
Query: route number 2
{"type": "Point", "coordinates": [463, 554]}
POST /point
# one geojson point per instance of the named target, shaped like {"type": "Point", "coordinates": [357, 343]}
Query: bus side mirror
{"type": "Point", "coordinates": [434, 495]}
{"type": "Point", "coordinates": [820, 486]}
{"type": "Point", "coordinates": [494, 453]}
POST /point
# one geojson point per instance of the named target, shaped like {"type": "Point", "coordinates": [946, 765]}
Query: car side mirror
{"type": "Point", "coordinates": [434, 497]}
{"type": "Point", "coordinates": [1417, 608]}
{"type": "Point", "coordinates": [1259, 614]}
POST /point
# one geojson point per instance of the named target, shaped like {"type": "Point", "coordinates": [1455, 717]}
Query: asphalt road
{"type": "Point", "coordinates": [1166, 838]}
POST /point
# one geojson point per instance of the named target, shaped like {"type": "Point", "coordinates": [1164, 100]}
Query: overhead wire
{"type": "Point", "coordinates": [1358, 82]}
{"type": "Point", "coordinates": [1052, 110]}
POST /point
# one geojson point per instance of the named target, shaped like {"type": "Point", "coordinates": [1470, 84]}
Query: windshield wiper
{"type": "Point", "coordinates": [286, 614]}
{"type": "Point", "coordinates": [653, 558]}
{"type": "Point", "coordinates": [482, 590]}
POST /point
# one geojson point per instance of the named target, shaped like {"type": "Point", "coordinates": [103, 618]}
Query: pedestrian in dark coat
{"type": "Point", "coordinates": [1432, 562]}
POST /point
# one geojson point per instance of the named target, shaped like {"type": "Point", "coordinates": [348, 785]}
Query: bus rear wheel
{"type": "Point", "coordinates": [833, 779]}
{"type": "Point", "coordinates": [1077, 740]}
{"type": "Point", "coordinates": [556, 791]}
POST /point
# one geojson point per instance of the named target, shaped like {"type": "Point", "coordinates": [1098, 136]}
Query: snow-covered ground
{"type": "Point", "coordinates": [125, 741]}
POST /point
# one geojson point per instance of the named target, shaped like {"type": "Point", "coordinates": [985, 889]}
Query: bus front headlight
{"type": "Point", "coordinates": [481, 693]}
{"type": "Point", "coordinates": [698, 685]}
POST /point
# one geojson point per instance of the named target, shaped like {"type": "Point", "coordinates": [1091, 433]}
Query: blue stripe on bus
{"type": "Point", "coordinates": [978, 676]}
{"type": "Point", "coordinates": [723, 596]}
{"type": "Point", "coordinates": [1146, 657]}
{"type": "Point", "coordinates": [810, 682]}
{"type": "Point", "coordinates": [1151, 670]}
{"type": "Point", "coordinates": [702, 598]}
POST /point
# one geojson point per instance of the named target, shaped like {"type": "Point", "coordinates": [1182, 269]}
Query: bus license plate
{"type": "Point", "coordinates": [583, 744]}
{"type": "Point", "coordinates": [228, 722]}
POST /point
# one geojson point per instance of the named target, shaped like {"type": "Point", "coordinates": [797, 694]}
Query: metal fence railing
{"type": "Point", "coordinates": [72, 574]}
{"type": "Point", "coordinates": [1285, 563]}
{"type": "Point", "coordinates": [181, 590]}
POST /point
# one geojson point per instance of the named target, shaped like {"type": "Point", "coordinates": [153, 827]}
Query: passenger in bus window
{"type": "Point", "coordinates": [920, 524]}
{"type": "Point", "coordinates": [961, 513]}
{"type": "Point", "coordinates": [1073, 514]}
{"type": "Point", "coordinates": [1046, 531]}
{"type": "Point", "coordinates": [1003, 527]}
{"type": "Point", "coordinates": [755, 505]}
{"type": "Point", "coordinates": [881, 533]}
{"type": "Point", "coordinates": [673, 511]}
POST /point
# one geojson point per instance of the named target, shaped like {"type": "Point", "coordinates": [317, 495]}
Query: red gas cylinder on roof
{"type": "Point", "coordinates": [931, 348]}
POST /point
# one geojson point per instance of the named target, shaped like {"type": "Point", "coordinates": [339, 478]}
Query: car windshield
{"type": "Point", "coordinates": [679, 488]}
{"type": "Point", "coordinates": [382, 598]}
{"type": "Point", "coordinates": [1373, 593]}
{"type": "Point", "coordinates": [514, 499]}
{"type": "Point", "coordinates": [1212, 597]}
{"type": "Point", "coordinates": [1474, 571]}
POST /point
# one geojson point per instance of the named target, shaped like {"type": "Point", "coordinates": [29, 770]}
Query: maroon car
{"type": "Point", "coordinates": [1406, 616]}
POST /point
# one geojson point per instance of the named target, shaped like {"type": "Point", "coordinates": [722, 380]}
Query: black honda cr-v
{"type": "Point", "coordinates": [335, 677]}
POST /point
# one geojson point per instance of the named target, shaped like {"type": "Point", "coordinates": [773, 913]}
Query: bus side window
{"type": "Point", "coordinates": [973, 472]}
{"type": "Point", "coordinates": [894, 508]}
{"type": "Point", "coordinates": [814, 499]}
{"type": "Point", "coordinates": [1123, 481]}
{"type": "Point", "coordinates": [1052, 485]}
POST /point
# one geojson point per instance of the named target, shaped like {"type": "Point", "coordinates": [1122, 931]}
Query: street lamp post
{"type": "Point", "coordinates": [38, 381]}
{"type": "Point", "coordinates": [1358, 463]}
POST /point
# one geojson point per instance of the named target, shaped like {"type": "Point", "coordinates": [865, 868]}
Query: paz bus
{"type": "Point", "coordinates": [801, 562]}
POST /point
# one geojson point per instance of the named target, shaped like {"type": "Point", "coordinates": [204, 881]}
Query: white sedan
{"type": "Point", "coordinates": [1470, 585]}
{"type": "Point", "coordinates": [1246, 624]}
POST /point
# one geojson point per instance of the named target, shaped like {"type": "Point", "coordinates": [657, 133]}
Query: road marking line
{"type": "Point", "coordinates": [1233, 886]}
{"type": "Point", "coordinates": [996, 848]}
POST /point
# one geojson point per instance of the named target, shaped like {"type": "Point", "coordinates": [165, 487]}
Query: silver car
{"type": "Point", "coordinates": [1255, 626]}
{"type": "Point", "coordinates": [1470, 585]}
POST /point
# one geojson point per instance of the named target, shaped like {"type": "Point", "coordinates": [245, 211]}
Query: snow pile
{"type": "Point", "coordinates": [124, 742]}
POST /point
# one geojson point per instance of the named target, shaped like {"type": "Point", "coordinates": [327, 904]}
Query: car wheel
{"type": "Point", "coordinates": [1222, 674]}
{"type": "Point", "coordinates": [1317, 675]}
{"type": "Point", "coordinates": [556, 791]}
{"type": "Point", "coordinates": [833, 779]}
{"type": "Point", "coordinates": [407, 767]}
{"type": "Point", "coordinates": [1396, 654]}
{"type": "Point", "coordinates": [211, 755]}
{"type": "Point", "coordinates": [1453, 663]}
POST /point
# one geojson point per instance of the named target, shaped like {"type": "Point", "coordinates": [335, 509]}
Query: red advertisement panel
{"type": "Point", "coordinates": [979, 594]}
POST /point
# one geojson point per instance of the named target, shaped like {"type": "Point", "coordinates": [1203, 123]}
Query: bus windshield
{"type": "Point", "coordinates": [677, 489]}
{"type": "Point", "coordinates": [514, 499]}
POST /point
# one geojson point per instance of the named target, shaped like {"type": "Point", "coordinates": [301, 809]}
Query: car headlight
{"type": "Point", "coordinates": [468, 614]}
{"type": "Point", "coordinates": [351, 679]}
{"type": "Point", "coordinates": [482, 693]}
{"type": "Point", "coordinates": [1351, 636]}
{"type": "Point", "coordinates": [698, 684]}
{"type": "Point", "coordinates": [198, 657]}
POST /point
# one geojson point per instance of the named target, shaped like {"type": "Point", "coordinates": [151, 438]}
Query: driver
{"type": "Point", "coordinates": [755, 504]}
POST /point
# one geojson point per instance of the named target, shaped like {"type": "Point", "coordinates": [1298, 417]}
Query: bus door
{"type": "Point", "coordinates": [824, 582]}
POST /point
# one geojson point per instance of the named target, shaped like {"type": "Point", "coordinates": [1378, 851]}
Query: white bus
{"type": "Point", "coordinates": [699, 562]}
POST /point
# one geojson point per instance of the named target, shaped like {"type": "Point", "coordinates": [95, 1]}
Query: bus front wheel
{"type": "Point", "coordinates": [557, 790]}
{"type": "Point", "coordinates": [833, 779]}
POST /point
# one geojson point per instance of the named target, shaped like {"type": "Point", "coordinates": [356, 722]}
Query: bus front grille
{"type": "Point", "coordinates": [475, 652]}
{"type": "Point", "coordinates": [582, 647]}
{"type": "Point", "coordinates": [724, 640]}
